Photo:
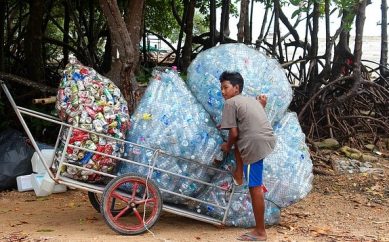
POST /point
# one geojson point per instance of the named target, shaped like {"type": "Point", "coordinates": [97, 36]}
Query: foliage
{"type": "Point", "coordinates": [203, 8]}
{"type": "Point", "coordinates": [144, 75]}
{"type": "Point", "coordinates": [160, 19]}
{"type": "Point", "coordinates": [200, 25]}
{"type": "Point", "coordinates": [89, 39]}
{"type": "Point", "coordinates": [348, 7]}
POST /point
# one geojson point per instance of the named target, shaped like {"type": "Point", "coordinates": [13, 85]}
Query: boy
{"type": "Point", "coordinates": [252, 135]}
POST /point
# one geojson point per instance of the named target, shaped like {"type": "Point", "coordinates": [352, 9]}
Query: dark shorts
{"type": "Point", "coordinates": [253, 173]}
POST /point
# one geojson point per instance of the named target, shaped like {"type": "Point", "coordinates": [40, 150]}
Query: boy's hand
{"type": "Point", "coordinates": [262, 99]}
{"type": "Point", "coordinates": [225, 147]}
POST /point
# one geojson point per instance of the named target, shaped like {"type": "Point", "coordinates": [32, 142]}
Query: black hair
{"type": "Point", "coordinates": [235, 78]}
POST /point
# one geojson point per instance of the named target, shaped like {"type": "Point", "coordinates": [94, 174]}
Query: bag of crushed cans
{"type": "Point", "coordinates": [92, 102]}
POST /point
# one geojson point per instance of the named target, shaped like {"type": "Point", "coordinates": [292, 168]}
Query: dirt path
{"type": "Point", "coordinates": [351, 207]}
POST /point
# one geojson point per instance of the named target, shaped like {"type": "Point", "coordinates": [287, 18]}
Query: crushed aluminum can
{"type": "Point", "coordinates": [92, 102]}
{"type": "Point", "coordinates": [89, 144]}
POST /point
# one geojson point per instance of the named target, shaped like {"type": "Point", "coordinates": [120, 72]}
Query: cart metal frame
{"type": "Point", "coordinates": [99, 189]}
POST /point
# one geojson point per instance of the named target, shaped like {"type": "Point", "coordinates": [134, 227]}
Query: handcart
{"type": "Point", "coordinates": [130, 203]}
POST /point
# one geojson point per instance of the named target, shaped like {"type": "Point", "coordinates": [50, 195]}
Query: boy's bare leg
{"type": "Point", "coordinates": [238, 173]}
{"type": "Point", "coordinates": [258, 202]}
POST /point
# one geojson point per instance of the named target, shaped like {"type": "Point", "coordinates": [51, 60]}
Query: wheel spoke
{"type": "Point", "coordinates": [140, 219]}
{"type": "Point", "coordinates": [119, 196]}
{"type": "Point", "coordinates": [113, 204]}
{"type": "Point", "coordinates": [123, 211]}
{"type": "Point", "coordinates": [130, 203]}
{"type": "Point", "coordinates": [149, 200]}
{"type": "Point", "coordinates": [134, 188]}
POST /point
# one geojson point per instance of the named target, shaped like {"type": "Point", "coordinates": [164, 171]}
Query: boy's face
{"type": "Point", "coordinates": [228, 90]}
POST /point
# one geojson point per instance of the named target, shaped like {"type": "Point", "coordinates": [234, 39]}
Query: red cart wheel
{"type": "Point", "coordinates": [131, 192]}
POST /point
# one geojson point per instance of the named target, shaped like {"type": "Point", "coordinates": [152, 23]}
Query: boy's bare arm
{"type": "Point", "coordinates": [232, 138]}
{"type": "Point", "coordinates": [262, 99]}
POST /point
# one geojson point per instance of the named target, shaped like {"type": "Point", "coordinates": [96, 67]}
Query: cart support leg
{"type": "Point", "coordinates": [26, 129]}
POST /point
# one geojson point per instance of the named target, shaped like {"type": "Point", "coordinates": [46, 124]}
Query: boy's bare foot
{"type": "Point", "coordinates": [252, 236]}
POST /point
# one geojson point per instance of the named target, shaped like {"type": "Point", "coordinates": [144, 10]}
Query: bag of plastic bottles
{"type": "Point", "coordinates": [170, 118]}
{"type": "Point", "coordinates": [288, 169]}
{"type": "Point", "coordinates": [90, 101]}
{"type": "Point", "coordinates": [240, 213]}
{"type": "Point", "coordinates": [261, 74]}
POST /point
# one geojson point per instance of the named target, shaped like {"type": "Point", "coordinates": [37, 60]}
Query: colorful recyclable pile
{"type": "Point", "coordinates": [171, 119]}
{"type": "Point", "coordinates": [92, 102]}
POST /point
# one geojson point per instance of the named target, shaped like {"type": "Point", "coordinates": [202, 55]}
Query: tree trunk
{"type": "Point", "coordinates": [222, 18]}
{"type": "Point", "coordinates": [260, 38]}
{"type": "Point", "coordinates": [250, 37]}
{"type": "Point", "coordinates": [2, 32]}
{"type": "Point", "coordinates": [314, 83]}
{"type": "Point", "coordinates": [178, 61]}
{"type": "Point", "coordinates": [247, 27]}
{"type": "Point", "coordinates": [122, 68]}
{"type": "Point", "coordinates": [292, 29]}
{"type": "Point", "coordinates": [33, 41]}
{"type": "Point", "coordinates": [90, 32]}
{"type": "Point", "coordinates": [242, 19]}
{"type": "Point", "coordinates": [357, 76]}
{"type": "Point", "coordinates": [342, 51]}
{"type": "Point", "coordinates": [134, 24]}
{"type": "Point", "coordinates": [107, 56]}
{"type": "Point", "coordinates": [328, 53]}
{"type": "Point", "coordinates": [384, 42]}
{"type": "Point", "coordinates": [224, 21]}
{"type": "Point", "coordinates": [212, 22]}
{"type": "Point", "coordinates": [359, 25]}
{"type": "Point", "coordinates": [65, 38]}
{"type": "Point", "coordinates": [276, 26]}
{"type": "Point", "coordinates": [187, 49]}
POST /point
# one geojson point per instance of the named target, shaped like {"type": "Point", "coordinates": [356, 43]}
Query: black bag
{"type": "Point", "coordinates": [15, 158]}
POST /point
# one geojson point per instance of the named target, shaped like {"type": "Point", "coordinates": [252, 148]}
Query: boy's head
{"type": "Point", "coordinates": [231, 84]}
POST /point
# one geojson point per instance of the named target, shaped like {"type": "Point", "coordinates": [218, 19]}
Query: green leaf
{"type": "Point", "coordinates": [295, 2]}
{"type": "Point", "coordinates": [296, 13]}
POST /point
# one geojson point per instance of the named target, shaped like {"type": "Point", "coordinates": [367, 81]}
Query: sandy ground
{"type": "Point", "coordinates": [346, 207]}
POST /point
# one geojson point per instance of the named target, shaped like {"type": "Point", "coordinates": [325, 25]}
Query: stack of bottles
{"type": "Point", "coordinates": [170, 118]}
{"type": "Point", "coordinates": [240, 213]}
{"type": "Point", "coordinates": [92, 102]}
{"type": "Point", "coordinates": [288, 170]}
{"type": "Point", "coordinates": [261, 75]}
{"type": "Point", "coordinates": [287, 177]}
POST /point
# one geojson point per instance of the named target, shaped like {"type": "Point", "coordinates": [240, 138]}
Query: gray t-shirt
{"type": "Point", "coordinates": [256, 139]}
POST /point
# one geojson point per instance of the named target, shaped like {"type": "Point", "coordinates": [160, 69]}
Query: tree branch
{"type": "Point", "coordinates": [28, 83]}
